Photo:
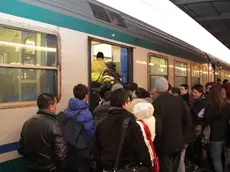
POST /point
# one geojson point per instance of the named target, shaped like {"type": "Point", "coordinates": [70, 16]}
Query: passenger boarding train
{"type": "Point", "coordinates": [48, 46]}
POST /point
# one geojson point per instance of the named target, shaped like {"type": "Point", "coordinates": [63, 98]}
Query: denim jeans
{"type": "Point", "coordinates": [216, 150]}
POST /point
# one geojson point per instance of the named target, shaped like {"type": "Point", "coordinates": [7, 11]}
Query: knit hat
{"type": "Point", "coordinates": [100, 55]}
{"type": "Point", "coordinates": [161, 84]}
{"type": "Point", "coordinates": [116, 87]}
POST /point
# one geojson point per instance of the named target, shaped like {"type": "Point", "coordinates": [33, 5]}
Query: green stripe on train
{"type": "Point", "coordinates": [16, 165]}
{"type": "Point", "coordinates": [17, 8]}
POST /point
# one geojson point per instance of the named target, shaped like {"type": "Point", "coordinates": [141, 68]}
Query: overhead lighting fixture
{"type": "Point", "coordinates": [28, 46]}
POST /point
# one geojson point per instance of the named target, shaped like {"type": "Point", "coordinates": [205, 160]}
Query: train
{"type": "Point", "coordinates": [49, 45]}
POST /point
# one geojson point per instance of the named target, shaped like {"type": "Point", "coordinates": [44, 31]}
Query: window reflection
{"type": "Point", "coordinates": [27, 48]}
{"type": "Point", "coordinates": [204, 74]}
{"type": "Point", "coordinates": [180, 69]}
{"type": "Point", "coordinates": [195, 75]}
{"type": "Point", "coordinates": [180, 80]}
{"type": "Point", "coordinates": [211, 74]}
{"type": "Point", "coordinates": [18, 86]}
{"type": "Point", "coordinates": [20, 49]}
{"type": "Point", "coordinates": [180, 73]}
{"type": "Point", "coordinates": [195, 71]}
{"type": "Point", "coordinates": [158, 67]}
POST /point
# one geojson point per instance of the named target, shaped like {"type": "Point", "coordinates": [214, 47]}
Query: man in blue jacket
{"type": "Point", "coordinates": [78, 105]}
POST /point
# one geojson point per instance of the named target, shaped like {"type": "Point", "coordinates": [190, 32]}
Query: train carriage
{"type": "Point", "coordinates": [48, 46]}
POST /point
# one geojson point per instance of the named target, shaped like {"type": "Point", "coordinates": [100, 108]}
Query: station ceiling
{"type": "Point", "coordinates": [213, 15]}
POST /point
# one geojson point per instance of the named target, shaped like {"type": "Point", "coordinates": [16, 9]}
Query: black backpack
{"type": "Point", "coordinates": [75, 135]}
{"type": "Point", "coordinates": [115, 75]}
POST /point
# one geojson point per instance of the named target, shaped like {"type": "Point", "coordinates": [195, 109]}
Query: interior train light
{"type": "Point", "coordinates": [28, 46]}
{"type": "Point", "coordinates": [181, 68]}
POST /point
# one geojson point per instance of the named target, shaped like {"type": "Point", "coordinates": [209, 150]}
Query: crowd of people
{"type": "Point", "coordinates": [131, 129]}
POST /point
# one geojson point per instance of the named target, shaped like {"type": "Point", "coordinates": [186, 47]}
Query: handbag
{"type": "Point", "coordinates": [129, 167]}
{"type": "Point", "coordinates": [156, 164]}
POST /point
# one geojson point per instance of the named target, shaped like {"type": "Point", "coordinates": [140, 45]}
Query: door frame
{"type": "Point", "coordinates": [129, 58]}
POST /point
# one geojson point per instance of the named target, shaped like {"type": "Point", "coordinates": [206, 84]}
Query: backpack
{"type": "Point", "coordinates": [75, 135]}
{"type": "Point", "coordinates": [115, 75]}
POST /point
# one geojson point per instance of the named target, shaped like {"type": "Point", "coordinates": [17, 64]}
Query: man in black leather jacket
{"type": "Point", "coordinates": [42, 142]}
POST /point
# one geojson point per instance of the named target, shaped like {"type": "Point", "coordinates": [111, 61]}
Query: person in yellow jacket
{"type": "Point", "coordinates": [97, 68]}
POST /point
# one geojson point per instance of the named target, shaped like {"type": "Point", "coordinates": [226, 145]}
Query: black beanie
{"type": "Point", "coordinates": [100, 55]}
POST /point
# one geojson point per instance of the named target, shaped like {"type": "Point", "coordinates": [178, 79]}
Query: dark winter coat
{"type": "Point", "coordinates": [189, 135]}
{"type": "Point", "coordinates": [218, 121]}
{"type": "Point", "coordinates": [101, 112]}
{"type": "Point", "coordinates": [42, 143]}
{"type": "Point", "coordinates": [186, 98]}
{"type": "Point", "coordinates": [175, 123]}
{"type": "Point", "coordinates": [108, 134]}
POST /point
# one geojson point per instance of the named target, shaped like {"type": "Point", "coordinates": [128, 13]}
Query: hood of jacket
{"type": "Point", "coordinates": [76, 104]}
{"type": "Point", "coordinates": [143, 110]}
{"type": "Point", "coordinates": [134, 102]}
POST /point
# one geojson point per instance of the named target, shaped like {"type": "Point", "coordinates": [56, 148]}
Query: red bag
{"type": "Point", "coordinates": [156, 164]}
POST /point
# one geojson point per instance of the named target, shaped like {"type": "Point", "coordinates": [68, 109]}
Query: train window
{"type": "Point", "coordinates": [204, 74]}
{"type": "Point", "coordinates": [180, 80]}
{"type": "Point", "coordinates": [195, 75]}
{"type": "Point", "coordinates": [222, 75]}
{"type": "Point", "coordinates": [211, 74]}
{"type": "Point", "coordinates": [28, 65]}
{"type": "Point", "coordinates": [218, 74]}
{"type": "Point", "coordinates": [158, 67]}
{"type": "Point", "coordinates": [180, 73]}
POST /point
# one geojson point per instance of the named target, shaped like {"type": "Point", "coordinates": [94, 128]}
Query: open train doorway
{"type": "Point", "coordinates": [100, 53]}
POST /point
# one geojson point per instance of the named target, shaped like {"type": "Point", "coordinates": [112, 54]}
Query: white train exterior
{"type": "Point", "coordinates": [75, 25]}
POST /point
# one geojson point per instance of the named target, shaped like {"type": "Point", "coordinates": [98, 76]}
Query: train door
{"type": "Point", "coordinates": [100, 53]}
